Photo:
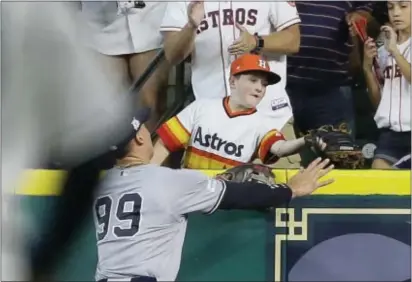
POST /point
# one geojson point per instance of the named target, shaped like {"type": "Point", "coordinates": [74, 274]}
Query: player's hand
{"type": "Point", "coordinates": [244, 44]}
{"type": "Point", "coordinates": [390, 39]}
{"type": "Point", "coordinates": [306, 181]}
{"type": "Point", "coordinates": [195, 13]}
{"type": "Point", "coordinates": [370, 51]}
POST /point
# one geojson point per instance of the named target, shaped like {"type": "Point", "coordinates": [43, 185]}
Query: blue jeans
{"type": "Point", "coordinates": [315, 106]}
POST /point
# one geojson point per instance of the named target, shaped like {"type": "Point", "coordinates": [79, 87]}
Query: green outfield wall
{"type": "Point", "coordinates": [358, 229]}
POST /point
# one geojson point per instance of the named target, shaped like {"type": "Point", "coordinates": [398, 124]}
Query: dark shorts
{"type": "Point", "coordinates": [392, 145]}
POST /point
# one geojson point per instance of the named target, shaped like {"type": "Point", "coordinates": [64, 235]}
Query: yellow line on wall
{"type": "Point", "coordinates": [347, 182]}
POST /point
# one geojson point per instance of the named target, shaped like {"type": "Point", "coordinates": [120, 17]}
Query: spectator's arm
{"type": "Point", "coordinates": [179, 34]}
{"type": "Point", "coordinates": [286, 41]}
{"type": "Point", "coordinates": [178, 45]}
{"type": "Point", "coordinates": [285, 20]}
{"type": "Point", "coordinates": [373, 87]}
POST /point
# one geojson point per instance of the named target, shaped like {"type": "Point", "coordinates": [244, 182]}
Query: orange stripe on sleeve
{"type": "Point", "coordinates": [268, 140]}
{"type": "Point", "coordinates": [173, 134]}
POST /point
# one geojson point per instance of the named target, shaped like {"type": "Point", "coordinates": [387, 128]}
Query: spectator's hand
{"type": "Point", "coordinates": [195, 13]}
{"type": "Point", "coordinates": [370, 51]}
{"type": "Point", "coordinates": [244, 44]}
{"type": "Point", "coordinates": [390, 39]}
{"type": "Point", "coordinates": [306, 181]}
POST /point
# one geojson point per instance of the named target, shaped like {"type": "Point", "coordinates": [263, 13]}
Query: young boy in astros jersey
{"type": "Point", "coordinates": [214, 33]}
{"type": "Point", "coordinates": [222, 133]}
{"type": "Point", "coordinates": [393, 99]}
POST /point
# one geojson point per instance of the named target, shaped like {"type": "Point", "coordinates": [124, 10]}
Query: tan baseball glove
{"type": "Point", "coordinates": [249, 173]}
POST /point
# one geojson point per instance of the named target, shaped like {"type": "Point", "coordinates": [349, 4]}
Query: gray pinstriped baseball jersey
{"type": "Point", "coordinates": [139, 215]}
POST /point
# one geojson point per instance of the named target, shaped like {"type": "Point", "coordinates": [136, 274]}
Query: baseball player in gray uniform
{"type": "Point", "coordinates": [140, 209]}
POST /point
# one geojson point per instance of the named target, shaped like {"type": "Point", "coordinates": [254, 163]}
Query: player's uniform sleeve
{"type": "Point", "coordinates": [175, 17]}
{"type": "Point", "coordinates": [175, 133]}
{"type": "Point", "coordinates": [194, 191]}
{"type": "Point", "coordinates": [263, 151]}
{"type": "Point", "coordinates": [283, 14]}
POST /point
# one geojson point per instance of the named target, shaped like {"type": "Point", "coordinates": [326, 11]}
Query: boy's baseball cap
{"type": "Point", "coordinates": [252, 62]}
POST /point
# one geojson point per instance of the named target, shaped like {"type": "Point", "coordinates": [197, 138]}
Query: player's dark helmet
{"type": "Point", "coordinates": [119, 150]}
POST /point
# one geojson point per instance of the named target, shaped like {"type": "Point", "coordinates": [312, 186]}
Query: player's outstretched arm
{"type": "Point", "coordinates": [259, 196]}
{"type": "Point", "coordinates": [193, 191]}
